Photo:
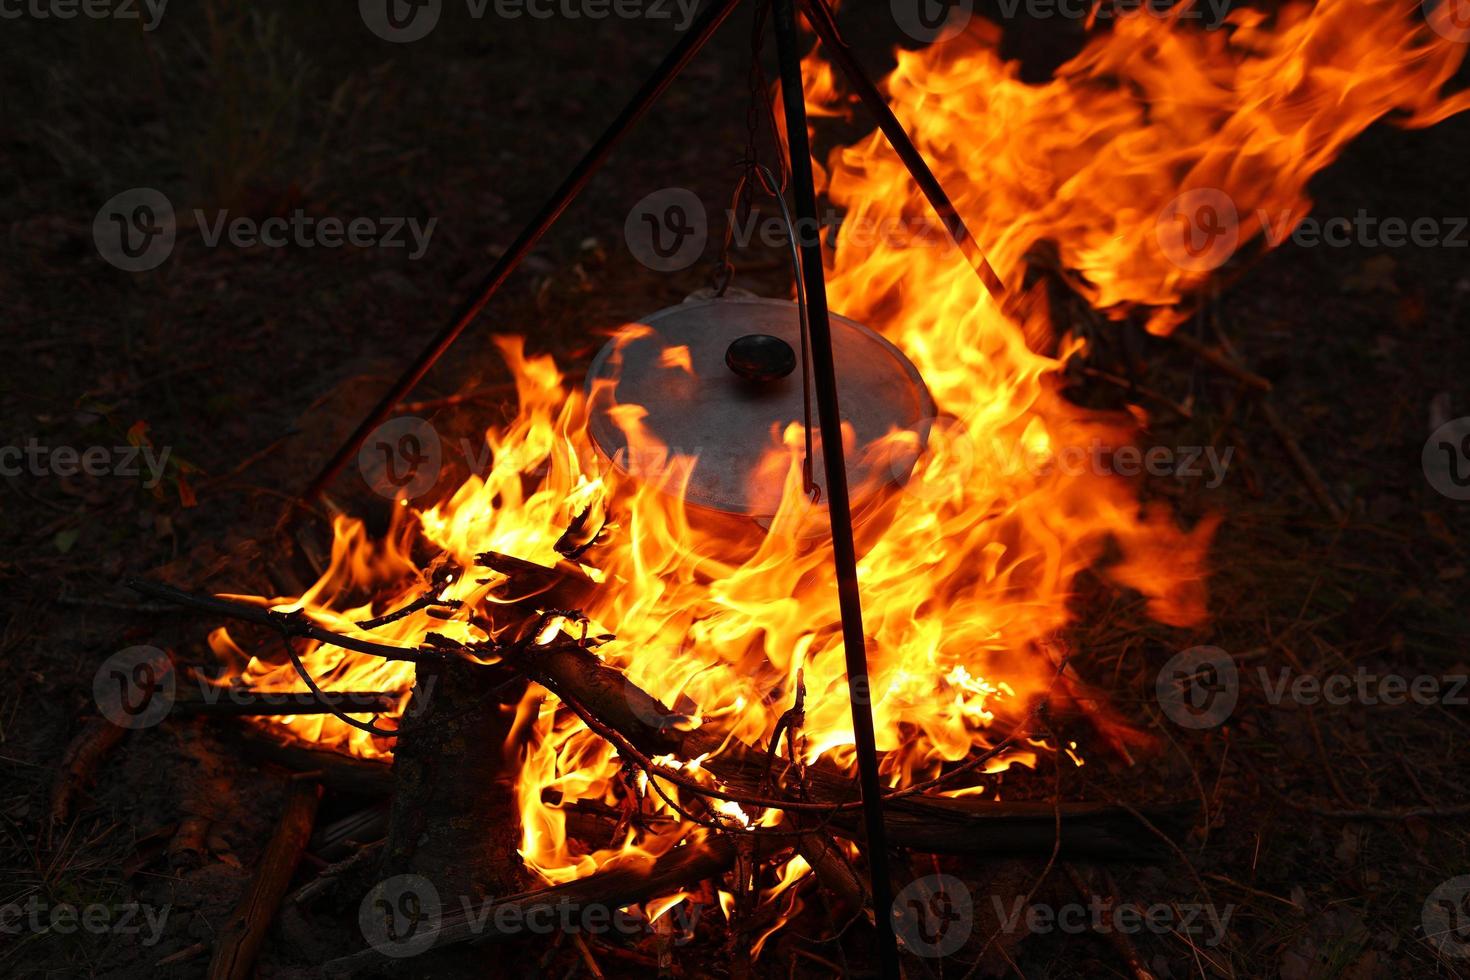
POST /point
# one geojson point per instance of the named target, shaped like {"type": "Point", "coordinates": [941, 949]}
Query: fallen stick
{"type": "Point", "coordinates": [603, 891]}
{"type": "Point", "coordinates": [341, 837]}
{"type": "Point", "coordinates": [240, 941]}
{"type": "Point", "coordinates": [1304, 468]}
{"type": "Point", "coordinates": [1220, 361]}
{"type": "Point", "coordinates": [87, 748]}
{"type": "Point", "coordinates": [1116, 938]}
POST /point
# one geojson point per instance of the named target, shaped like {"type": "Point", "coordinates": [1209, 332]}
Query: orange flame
{"type": "Point", "coordinates": [968, 589]}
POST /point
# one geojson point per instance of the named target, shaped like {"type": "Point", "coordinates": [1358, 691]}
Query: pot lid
{"type": "Point", "coordinates": [720, 379]}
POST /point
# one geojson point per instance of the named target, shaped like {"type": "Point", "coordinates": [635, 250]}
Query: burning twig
{"type": "Point", "coordinates": [574, 541]}
{"type": "Point", "coordinates": [234, 954]}
{"type": "Point", "coordinates": [429, 600]}
{"type": "Point", "coordinates": [294, 624]}
{"type": "Point", "coordinates": [564, 584]}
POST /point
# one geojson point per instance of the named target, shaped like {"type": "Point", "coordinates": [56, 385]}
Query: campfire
{"type": "Point", "coordinates": [604, 688]}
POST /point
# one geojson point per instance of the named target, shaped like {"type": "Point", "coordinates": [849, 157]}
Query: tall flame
{"type": "Point", "coordinates": [967, 590]}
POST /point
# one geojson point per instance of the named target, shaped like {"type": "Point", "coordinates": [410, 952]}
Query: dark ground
{"type": "Point", "coordinates": [249, 364]}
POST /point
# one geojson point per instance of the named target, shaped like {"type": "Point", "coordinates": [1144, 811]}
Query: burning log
{"type": "Point", "coordinates": [563, 585]}
{"type": "Point", "coordinates": [919, 821]}
{"type": "Point", "coordinates": [454, 816]}
{"type": "Point", "coordinates": [239, 943]}
{"type": "Point", "coordinates": [604, 891]}
{"type": "Point", "coordinates": [624, 711]}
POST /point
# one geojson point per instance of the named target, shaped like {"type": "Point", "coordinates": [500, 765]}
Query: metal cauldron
{"type": "Point", "coordinates": [721, 379]}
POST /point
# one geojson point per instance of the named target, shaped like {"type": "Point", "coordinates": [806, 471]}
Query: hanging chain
{"type": "Point", "coordinates": [742, 201]}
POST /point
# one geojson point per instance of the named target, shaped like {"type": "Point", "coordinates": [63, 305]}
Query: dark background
{"type": "Point", "coordinates": [251, 364]}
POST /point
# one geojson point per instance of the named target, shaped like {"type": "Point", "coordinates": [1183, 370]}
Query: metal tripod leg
{"type": "Point", "coordinates": [839, 510]}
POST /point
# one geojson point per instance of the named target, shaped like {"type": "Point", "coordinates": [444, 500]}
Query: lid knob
{"type": "Point", "coordinates": [760, 357]}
